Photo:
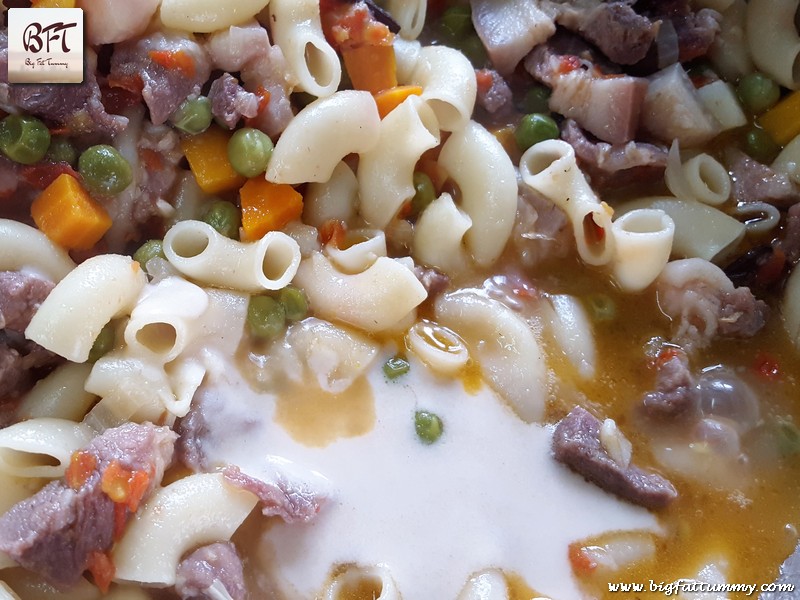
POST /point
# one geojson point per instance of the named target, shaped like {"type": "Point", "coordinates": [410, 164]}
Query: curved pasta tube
{"type": "Point", "coordinates": [41, 447]}
{"type": "Point", "coordinates": [162, 322]}
{"type": "Point", "coordinates": [334, 199]}
{"type": "Point", "coordinates": [438, 347]}
{"type": "Point", "coordinates": [373, 300]}
{"type": "Point", "coordinates": [198, 251]}
{"type": "Point", "coordinates": [728, 52]}
{"type": "Point", "coordinates": [6, 593]}
{"type": "Point", "coordinates": [185, 377]}
{"type": "Point", "coordinates": [448, 85]}
{"type": "Point", "coordinates": [701, 178]}
{"type": "Point", "coordinates": [788, 161]}
{"type": "Point", "coordinates": [550, 168]}
{"type": "Point", "coordinates": [643, 239]}
{"type": "Point", "coordinates": [25, 247]}
{"type": "Point", "coordinates": [504, 346]}
{"type": "Point", "coordinates": [322, 134]}
{"type": "Point", "coordinates": [773, 39]}
{"type": "Point", "coordinates": [791, 308]}
{"type": "Point", "coordinates": [488, 585]}
{"type": "Point", "coordinates": [205, 16]}
{"type": "Point", "coordinates": [759, 217]}
{"type": "Point", "coordinates": [386, 171]}
{"type": "Point", "coordinates": [410, 15]}
{"type": "Point", "coordinates": [486, 177]}
{"type": "Point", "coordinates": [439, 236]}
{"type": "Point", "coordinates": [406, 55]}
{"type": "Point", "coordinates": [59, 395]}
{"type": "Point", "coordinates": [196, 510]}
{"type": "Point", "coordinates": [96, 291]}
{"type": "Point", "coordinates": [297, 29]}
{"type": "Point", "coordinates": [362, 249]}
{"type": "Point", "coordinates": [376, 582]}
{"type": "Point", "coordinates": [700, 230]}
{"type": "Point", "coordinates": [572, 330]}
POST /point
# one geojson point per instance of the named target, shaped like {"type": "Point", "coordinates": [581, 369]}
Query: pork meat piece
{"type": "Point", "coordinates": [757, 182]}
{"type": "Point", "coordinates": [218, 562]}
{"type": "Point", "coordinates": [21, 294]}
{"type": "Point", "coordinates": [576, 443]}
{"type": "Point", "coordinates": [675, 395]}
{"type": "Point", "coordinates": [230, 102]}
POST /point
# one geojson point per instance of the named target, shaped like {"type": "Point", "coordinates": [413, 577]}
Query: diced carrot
{"type": "Point", "coordinates": [484, 79]}
{"type": "Point", "coordinates": [174, 59]}
{"type": "Point", "coordinates": [767, 366]}
{"type": "Point", "coordinates": [782, 121]}
{"type": "Point", "coordinates": [102, 569]}
{"type": "Point", "coordinates": [137, 487]}
{"type": "Point", "coordinates": [268, 206]}
{"type": "Point", "coordinates": [207, 154]}
{"type": "Point", "coordinates": [68, 215]}
{"type": "Point", "coordinates": [389, 99]}
{"type": "Point", "coordinates": [81, 466]}
{"type": "Point", "coordinates": [53, 4]}
{"type": "Point", "coordinates": [371, 68]}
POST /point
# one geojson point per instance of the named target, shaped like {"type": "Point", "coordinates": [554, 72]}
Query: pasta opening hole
{"type": "Point", "coordinates": [361, 588]}
{"type": "Point", "coordinates": [447, 114]}
{"type": "Point", "coordinates": [712, 178]}
{"type": "Point", "coordinates": [16, 459]}
{"type": "Point", "coordinates": [539, 161]}
{"type": "Point", "coordinates": [644, 222]}
{"type": "Point", "coordinates": [276, 261]}
{"type": "Point", "coordinates": [190, 244]}
{"type": "Point", "coordinates": [319, 65]}
{"type": "Point", "coordinates": [159, 338]}
{"type": "Point", "coordinates": [593, 233]}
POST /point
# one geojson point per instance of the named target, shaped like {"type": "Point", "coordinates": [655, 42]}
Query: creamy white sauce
{"type": "Point", "coordinates": [487, 494]}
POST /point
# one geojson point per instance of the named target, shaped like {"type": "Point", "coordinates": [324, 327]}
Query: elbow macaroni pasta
{"type": "Point", "coordinates": [297, 29]}
{"type": "Point", "coordinates": [198, 251]}
{"type": "Point", "coordinates": [322, 134]}
{"type": "Point", "coordinates": [67, 324]}
{"type": "Point", "coordinates": [23, 246]}
{"type": "Point", "coordinates": [773, 39]}
{"type": "Point", "coordinates": [700, 178]}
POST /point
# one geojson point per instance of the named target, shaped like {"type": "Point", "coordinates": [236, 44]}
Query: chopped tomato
{"type": "Point", "coordinates": [81, 466]}
{"type": "Point", "coordinates": [767, 366]}
{"type": "Point", "coordinates": [568, 64]}
{"type": "Point", "coordinates": [595, 234]}
{"type": "Point", "coordinates": [120, 520]}
{"type": "Point", "coordinates": [581, 559]}
{"type": "Point", "coordinates": [102, 569]}
{"type": "Point", "coordinates": [137, 486]}
{"type": "Point", "coordinates": [123, 486]}
{"type": "Point", "coordinates": [352, 25]}
{"type": "Point", "coordinates": [771, 267]}
{"type": "Point", "coordinates": [484, 79]}
{"type": "Point", "coordinates": [41, 175]}
{"type": "Point", "coordinates": [119, 98]}
{"type": "Point", "coordinates": [333, 231]}
{"type": "Point", "coordinates": [263, 100]}
{"type": "Point", "coordinates": [151, 159]}
{"type": "Point", "coordinates": [174, 59]}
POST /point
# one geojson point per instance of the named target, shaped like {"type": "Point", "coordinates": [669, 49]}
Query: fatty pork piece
{"type": "Point", "coordinates": [577, 443]}
{"type": "Point", "coordinates": [230, 102]}
{"type": "Point", "coordinates": [604, 103]}
{"type": "Point", "coordinates": [165, 68]}
{"type": "Point", "coordinates": [70, 525]}
{"type": "Point", "coordinates": [703, 303]}
{"type": "Point", "coordinates": [615, 165]}
{"type": "Point", "coordinates": [77, 107]}
{"type": "Point", "coordinates": [672, 110]}
{"type": "Point", "coordinates": [202, 573]}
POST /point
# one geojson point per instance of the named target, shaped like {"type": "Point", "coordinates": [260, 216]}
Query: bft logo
{"type": "Point", "coordinates": [45, 45]}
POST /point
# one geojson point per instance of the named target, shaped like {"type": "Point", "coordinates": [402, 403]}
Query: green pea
{"type": "Point", "coordinates": [224, 217]}
{"type": "Point", "coordinates": [787, 437]}
{"type": "Point", "coordinates": [472, 47]}
{"type": "Point", "coordinates": [533, 129]}
{"type": "Point", "coordinates": [429, 426]}
{"type": "Point", "coordinates": [395, 367]}
{"type": "Point", "coordinates": [104, 170]}
{"type": "Point", "coordinates": [24, 139]}
{"type": "Point", "coordinates": [758, 92]}
{"type": "Point", "coordinates": [424, 194]}
{"type": "Point", "coordinates": [150, 249]}
{"type": "Point", "coordinates": [249, 151]}
{"type": "Point", "coordinates": [62, 150]}
{"type": "Point", "coordinates": [103, 343]}
{"type": "Point", "coordinates": [266, 317]}
{"type": "Point", "coordinates": [760, 145]}
{"type": "Point", "coordinates": [536, 100]}
{"type": "Point", "coordinates": [601, 307]}
{"type": "Point", "coordinates": [193, 116]}
{"type": "Point", "coordinates": [294, 303]}
{"type": "Point", "coordinates": [456, 22]}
